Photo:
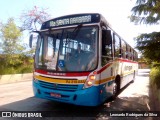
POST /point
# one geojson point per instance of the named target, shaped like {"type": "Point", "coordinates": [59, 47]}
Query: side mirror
{"type": "Point", "coordinates": [106, 37]}
{"type": "Point", "coordinates": [30, 40]}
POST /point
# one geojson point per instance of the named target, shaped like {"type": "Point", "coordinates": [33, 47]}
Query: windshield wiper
{"type": "Point", "coordinates": [76, 30]}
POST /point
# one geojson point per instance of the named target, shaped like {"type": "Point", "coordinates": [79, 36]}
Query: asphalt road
{"type": "Point", "coordinates": [134, 97]}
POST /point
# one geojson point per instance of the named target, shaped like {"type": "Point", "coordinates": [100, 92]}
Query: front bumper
{"type": "Point", "coordinates": [84, 97]}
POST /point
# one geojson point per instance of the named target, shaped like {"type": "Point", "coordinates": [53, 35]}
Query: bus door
{"type": "Point", "coordinates": [106, 63]}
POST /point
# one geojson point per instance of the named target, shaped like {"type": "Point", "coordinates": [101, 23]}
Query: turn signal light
{"type": "Point", "coordinates": [92, 77]}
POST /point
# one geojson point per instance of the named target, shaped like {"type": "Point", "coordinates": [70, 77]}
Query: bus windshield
{"type": "Point", "coordinates": [68, 50]}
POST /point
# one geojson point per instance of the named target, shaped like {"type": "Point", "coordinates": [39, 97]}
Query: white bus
{"type": "Point", "coordinates": [81, 60]}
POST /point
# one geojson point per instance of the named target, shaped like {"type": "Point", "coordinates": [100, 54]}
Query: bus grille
{"type": "Point", "coordinates": [62, 87]}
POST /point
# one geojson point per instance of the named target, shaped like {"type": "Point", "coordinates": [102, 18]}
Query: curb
{"type": "Point", "coordinates": [6, 79]}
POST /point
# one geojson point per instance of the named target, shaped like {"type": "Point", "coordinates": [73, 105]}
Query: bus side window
{"type": "Point", "coordinates": [131, 54]}
{"type": "Point", "coordinates": [135, 56]}
{"type": "Point", "coordinates": [117, 53]}
{"type": "Point", "coordinates": [123, 49]}
{"type": "Point", "coordinates": [128, 53]}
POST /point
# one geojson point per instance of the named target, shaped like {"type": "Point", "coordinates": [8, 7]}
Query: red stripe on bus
{"type": "Point", "coordinates": [109, 64]}
{"type": "Point", "coordinates": [103, 68]}
{"type": "Point", "coordinates": [124, 60]}
{"type": "Point", "coordinates": [62, 74]}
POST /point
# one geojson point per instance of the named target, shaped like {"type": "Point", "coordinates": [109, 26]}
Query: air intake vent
{"type": "Point", "coordinates": [55, 86]}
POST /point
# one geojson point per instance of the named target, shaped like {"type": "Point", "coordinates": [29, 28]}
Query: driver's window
{"type": "Point", "coordinates": [106, 52]}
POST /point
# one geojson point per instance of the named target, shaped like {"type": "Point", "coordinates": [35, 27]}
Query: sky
{"type": "Point", "coordinates": [116, 13]}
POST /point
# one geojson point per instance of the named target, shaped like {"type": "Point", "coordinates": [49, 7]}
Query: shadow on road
{"type": "Point", "coordinates": [54, 109]}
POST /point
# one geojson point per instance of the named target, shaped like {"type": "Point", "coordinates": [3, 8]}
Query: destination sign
{"type": "Point", "coordinates": [71, 20]}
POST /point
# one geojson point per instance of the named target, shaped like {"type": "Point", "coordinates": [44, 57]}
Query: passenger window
{"type": "Point", "coordinates": [128, 52]}
{"type": "Point", "coordinates": [131, 54]}
{"type": "Point", "coordinates": [123, 49]}
{"type": "Point", "coordinates": [117, 53]}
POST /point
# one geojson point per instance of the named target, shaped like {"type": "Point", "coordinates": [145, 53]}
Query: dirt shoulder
{"type": "Point", "coordinates": [153, 98]}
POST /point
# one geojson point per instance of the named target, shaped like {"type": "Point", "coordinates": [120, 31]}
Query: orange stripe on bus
{"type": "Point", "coordinates": [105, 80]}
{"type": "Point", "coordinates": [60, 81]}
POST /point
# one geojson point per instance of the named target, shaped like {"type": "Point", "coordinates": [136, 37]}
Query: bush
{"type": "Point", "coordinates": [25, 69]}
{"type": "Point", "coordinates": [8, 70]}
{"type": "Point", "coordinates": [18, 70]}
{"type": "Point", "coordinates": [15, 64]}
{"type": "Point", "coordinates": [156, 64]}
{"type": "Point", "coordinates": [155, 76]}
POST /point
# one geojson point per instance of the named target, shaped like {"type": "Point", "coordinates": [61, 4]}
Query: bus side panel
{"type": "Point", "coordinates": [127, 72]}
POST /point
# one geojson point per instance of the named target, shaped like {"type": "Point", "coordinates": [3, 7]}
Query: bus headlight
{"type": "Point", "coordinates": [90, 81]}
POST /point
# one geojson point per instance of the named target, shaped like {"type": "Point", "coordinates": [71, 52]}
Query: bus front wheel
{"type": "Point", "coordinates": [116, 88]}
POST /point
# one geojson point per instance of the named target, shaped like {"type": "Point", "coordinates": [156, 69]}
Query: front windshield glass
{"type": "Point", "coordinates": [70, 49]}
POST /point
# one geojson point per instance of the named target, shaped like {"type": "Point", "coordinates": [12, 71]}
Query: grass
{"type": "Point", "coordinates": [158, 94]}
{"type": "Point", "coordinates": [155, 85]}
{"type": "Point", "coordinates": [155, 76]}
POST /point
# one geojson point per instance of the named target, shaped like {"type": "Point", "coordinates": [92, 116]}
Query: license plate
{"type": "Point", "coordinates": [55, 95]}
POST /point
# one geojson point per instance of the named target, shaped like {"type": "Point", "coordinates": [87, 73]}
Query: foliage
{"type": "Point", "coordinates": [155, 76]}
{"type": "Point", "coordinates": [144, 62]}
{"type": "Point", "coordinates": [19, 70]}
{"type": "Point", "coordinates": [10, 35]}
{"type": "Point", "coordinates": [11, 66]}
{"type": "Point", "coordinates": [31, 18]}
{"type": "Point", "coordinates": [15, 58]}
{"type": "Point", "coordinates": [149, 45]}
{"type": "Point", "coordinates": [148, 12]}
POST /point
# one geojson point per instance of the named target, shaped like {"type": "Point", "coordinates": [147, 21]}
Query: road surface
{"type": "Point", "coordinates": [135, 97]}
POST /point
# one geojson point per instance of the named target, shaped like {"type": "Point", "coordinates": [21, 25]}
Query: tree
{"type": "Point", "coordinates": [33, 18]}
{"type": "Point", "coordinates": [148, 12]}
{"type": "Point", "coordinates": [10, 35]}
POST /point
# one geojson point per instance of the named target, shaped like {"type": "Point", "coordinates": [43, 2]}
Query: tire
{"type": "Point", "coordinates": [114, 91]}
{"type": "Point", "coordinates": [133, 77]}
{"type": "Point", "coordinates": [116, 87]}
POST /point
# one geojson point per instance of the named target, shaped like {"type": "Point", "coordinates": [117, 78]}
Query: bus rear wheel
{"type": "Point", "coordinates": [134, 74]}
